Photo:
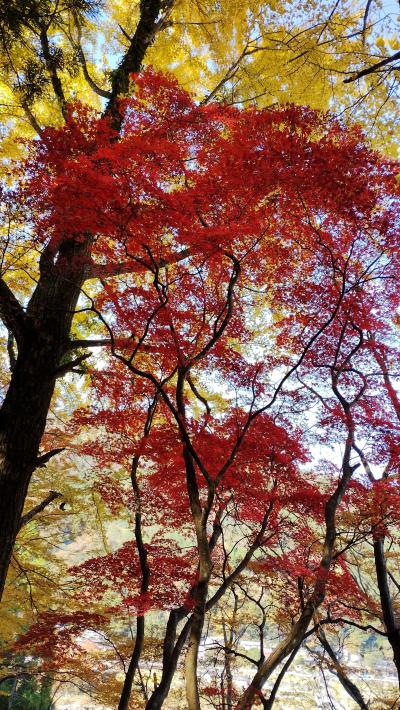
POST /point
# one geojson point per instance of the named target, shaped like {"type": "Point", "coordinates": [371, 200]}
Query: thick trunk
{"type": "Point", "coordinates": [42, 344]}
{"type": "Point", "coordinates": [48, 319]}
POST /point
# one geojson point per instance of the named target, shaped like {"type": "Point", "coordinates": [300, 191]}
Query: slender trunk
{"type": "Point", "coordinates": [268, 703]}
{"type": "Point", "coordinates": [42, 344]}
{"type": "Point", "coordinates": [172, 649]}
{"type": "Point", "coordinates": [200, 597]}
{"type": "Point", "coordinates": [392, 630]}
{"type": "Point", "coordinates": [228, 641]}
{"type": "Point", "coordinates": [344, 680]}
{"type": "Point", "coordinates": [173, 646]}
{"type": "Point", "coordinates": [145, 571]}
{"type": "Point", "coordinates": [13, 695]}
{"type": "Point", "coordinates": [192, 690]}
{"type": "Point", "coordinates": [296, 635]}
{"type": "Point", "coordinates": [133, 664]}
{"type": "Point", "coordinates": [284, 648]}
{"type": "Point", "coordinates": [200, 591]}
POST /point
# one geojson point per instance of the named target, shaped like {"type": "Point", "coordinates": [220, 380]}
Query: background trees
{"type": "Point", "coordinates": [253, 251]}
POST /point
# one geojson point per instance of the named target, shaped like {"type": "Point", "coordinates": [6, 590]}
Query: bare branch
{"type": "Point", "coordinates": [100, 271]}
{"type": "Point", "coordinates": [11, 312]}
{"type": "Point", "coordinates": [82, 60]}
{"type": "Point", "coordinates": [101, 342]}
{"type": "Point", "coordinates": [32, 118]}
{"type": "Point", "coordinates": [38, 508]}
{"type": "Point", "coordinates": [365, 19]}
{"type": "Point", "coordinates": [45, 458]}
{"type": "Point", "coordinates": [70, 366]}
{"type": "Point", "coordinates": [373, 68]}
{"type": "Point", "coordinates": [52, 69]}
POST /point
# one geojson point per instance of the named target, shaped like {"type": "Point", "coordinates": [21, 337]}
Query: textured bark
{"type": "Point", "coordinates": [149, 24]}
{"type": "Point", "coordinates": [42, 333]}
{"type": "Point", "coordinates": [42, 341]}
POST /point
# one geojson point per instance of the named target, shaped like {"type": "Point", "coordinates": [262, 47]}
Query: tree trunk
{"type": "Point", "coordinates": [42, 333]}
{"type": "Point", "coordinates": [13, 694]}
{"type": "Point", "coordinates": [284, 648]}
{"type": "Point", "coordinates": [172, 649]}
{"type": "Point", "coordinates": [42, 343]}
{"type": "Point", "coordinates": [228, 641]}
{"type": "Point", "coordinates": [393, 631]}
{"type": "Point", "coordinates": [144, 586]}
{"type": "Point", "coordinates": [133, 664]}
{"type": "Point", "coordinates": [296, 635]}
{"type": "Point", "coordinates": [268, 703]}
{"type": "Point", "coordinates": [344, 680]}
{"type": "Point", "coordinates": [200, 591]}
{"type": "Point", "coordinates": [173, 646]}
{"type": "Point", "coordinates": [192, 690]}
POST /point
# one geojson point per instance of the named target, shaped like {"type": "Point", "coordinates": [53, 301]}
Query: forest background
{"type": "Point", "coordinates": [199, 306]}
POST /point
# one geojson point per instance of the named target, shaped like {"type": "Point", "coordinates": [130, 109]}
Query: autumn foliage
{"type": "Point", "coordinates": [241, 286]}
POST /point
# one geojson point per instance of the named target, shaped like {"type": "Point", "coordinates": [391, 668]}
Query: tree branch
{"type": "Point", "coordinates": [69, 366]}
{"type": "Point", "coordinates": [11, 312]}
{"type": "Point", "coordinates": [149, 24]}
{"type": "Point", "coordinates": [45, 458]}
{"type": "Point", "coordinates": [101, 342]}
{"type": "Point", "coordinates": [38, 508]}
{"type": "Point", "coordinates": [102, 271]}
{"type": "Point", "coordinates": [52, 69]}
{"type": "Point", "coordinates": [82, 60]}
{"type": "Point", "coordinates": [32, 118]}
{"type": "Point", "coordinates": [373, 68]}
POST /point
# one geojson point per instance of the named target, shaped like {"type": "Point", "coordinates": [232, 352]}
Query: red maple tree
{"type": "Point", "coordinates": [245, 265]}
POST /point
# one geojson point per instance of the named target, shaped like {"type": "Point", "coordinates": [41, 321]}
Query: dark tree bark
{"type": "Point", "coordinates": [338, 669]}
{"type": "Point", "coordinates": [392, 629]}
{"type": "Point", "coordinates": [145, 572]}
{"type": "Point", "coordinates": [42, 336]}
{"type": "Point", "coordinates": [42, 331]}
